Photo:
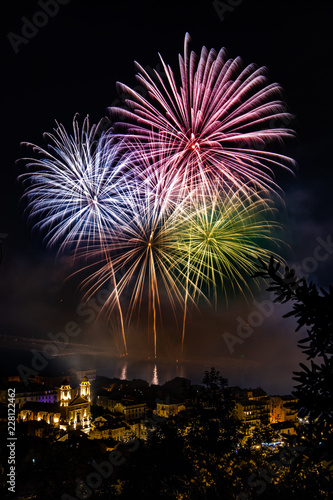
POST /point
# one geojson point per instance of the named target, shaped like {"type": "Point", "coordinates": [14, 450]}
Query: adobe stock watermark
{"type": "Point", "coordinates": [223, 8]}
{"type": "Point", "coordinates": [265, 308]}
{"type": "Point", "coordinates": [61, 340]}
{"type": "Point", "coordinates": [30, 27]}
{"type": "Point", "coordinates": [103, 470]}
{"type": "Point", "coordinates": [259, 480]}
{"type": "Point", "coordinates": [151, 422]}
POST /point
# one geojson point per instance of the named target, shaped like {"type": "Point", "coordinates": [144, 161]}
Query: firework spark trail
{"type": "Point", "coordinates": [216, 124]}
{"type": "Point", "coordinates": [144, 250]}
{"type": "Point", "coordinates": [224, 238]}
{"type": "Point", "coordinates": [73, 190]}
{"type": "Point", "coordinates": [192, 251]}
{"type": "Point", "coordinates": [219, 242]}
{"type": "Point", "coordinates": [154, 168]}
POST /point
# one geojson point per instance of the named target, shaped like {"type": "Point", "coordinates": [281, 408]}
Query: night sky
{"type": "Point", "coordinates": [71, 65]}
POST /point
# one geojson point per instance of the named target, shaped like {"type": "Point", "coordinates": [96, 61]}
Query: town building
{"type": "Point", "coordinates": [71, 411]}
{"type": "Point", "coordinates": [252, 412]}
{"type": "Point", "coordinates": [115, 402]}
{"type": "Point", "coordinates": [252, 406]}
{"type": "Point", "coordinates": [31, 392]}
{"type": "Point", "coordinates": [169, 408]}
{"type": "Point", "coordinates": [130, 408]}
{"type": "Point", "coordinates": [283, 409]}
{"type": "Point", "coordinates": [118, 429]}
{"type": "Point", "coordinates": [282, 428]}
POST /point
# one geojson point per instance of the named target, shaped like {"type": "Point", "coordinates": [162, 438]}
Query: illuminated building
{"type": "Point", "coordinates": [30, 392]}
{"type": "Point", "coordinates": [252, 406]}
{"type": "Point", "coordinates": [130, 408]}
{"type": "Point", "coordinates": [85, 388]}
{"type": "Point", "coordinates": [111, 427]}
{"type": "Point", "coordinates": [65, 393]}
{"type": "Point", "coordinates": [168, 409]}
{"type": "Point", "coordinates": [71, 411]}
{"type": "Point", "coordinates": [126, 405]}
{"type": "Point", "coordinates": [283, 409]}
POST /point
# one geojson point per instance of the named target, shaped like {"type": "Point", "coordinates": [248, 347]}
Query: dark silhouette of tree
{"type": "Point", "coordinates": [313, 310]}
{"type": "Point", "coordinates": [189, 455]}
{"type": "Point", "coordinates": [213, 392]}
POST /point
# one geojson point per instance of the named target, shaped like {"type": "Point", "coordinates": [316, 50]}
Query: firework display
{"type": "Point", "coordinates": [73, 188]}
{"type": "Point", "coordinates": [73, 191]}
{"type": "Point", "coordinates": [217, 125]}
{"type": "Point", "coordinates": [174, 202]}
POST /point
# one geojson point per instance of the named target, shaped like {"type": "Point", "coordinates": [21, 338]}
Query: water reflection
{"type": "Point", "coordinates": [155, 376]}
{"type": "Point", "coordinates": [123, 375]}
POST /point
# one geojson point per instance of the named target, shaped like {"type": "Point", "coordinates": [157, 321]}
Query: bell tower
{"type": "Point", "coordinates": [85, 388]}
{"type": "Point", "coordinates": [65, 393]}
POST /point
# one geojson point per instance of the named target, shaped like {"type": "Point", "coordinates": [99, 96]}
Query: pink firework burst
{"type": "Point", "coordinates": [218, 124]}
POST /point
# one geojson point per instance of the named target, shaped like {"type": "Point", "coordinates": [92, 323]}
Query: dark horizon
{"type": "Point", "coordinates": [240, 371]}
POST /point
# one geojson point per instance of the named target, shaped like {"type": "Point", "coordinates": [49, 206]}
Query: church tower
{"type": "Point", "coordinates": [85, 389]}
{"type": "Point", "coordinates": [65, 393]}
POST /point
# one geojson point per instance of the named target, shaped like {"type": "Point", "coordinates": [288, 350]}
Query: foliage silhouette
{"type": "Point", "coordinates": [313, 309]}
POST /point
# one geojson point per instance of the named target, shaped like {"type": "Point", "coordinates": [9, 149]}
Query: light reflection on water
{"type": "Point", "coordinates": [123, 375]}
{"type": "Point", "coordinates": [155, 376]}
{"type": "Point", "coordinates": [238, 370]}
{"type": "Point", "coordinates": [153, 372]}
{"type": "Point", "coordinates": [160, 371]}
